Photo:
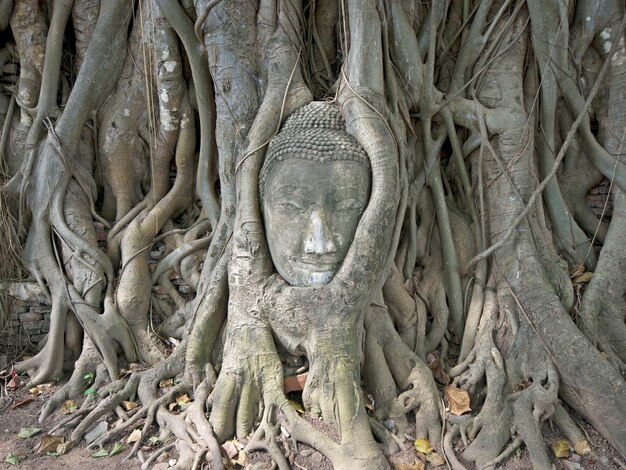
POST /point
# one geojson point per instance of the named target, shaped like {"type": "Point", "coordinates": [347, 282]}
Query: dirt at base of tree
{"type": "Point", "coordinates": [13, 419]}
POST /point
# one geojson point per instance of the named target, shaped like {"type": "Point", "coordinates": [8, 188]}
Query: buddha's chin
{"type": "Point", "coordinates": [306, 278]}
{"type": "Point", "coordinates": [320, 277]}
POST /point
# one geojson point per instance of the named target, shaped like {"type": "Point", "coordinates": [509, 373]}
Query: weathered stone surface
{"type": "Point", "coordinates": [32, 326]}
{"type": "Point", "coordinates": [28, 292]}
{"type": "Point", "coordinates": [34, 339]}
{"type": "Point", "coordinates": [40, 309]}
{"type": "Point", "coordinates": [30, 316]}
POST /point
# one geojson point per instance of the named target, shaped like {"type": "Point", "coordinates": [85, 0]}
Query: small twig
{"type": "Point", "coordinates": [202, 18]}
{"type": "Point", "coordinates": [156, 455]}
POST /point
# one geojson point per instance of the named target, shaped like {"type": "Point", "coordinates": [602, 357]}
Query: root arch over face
{"type": "Point", "coordinates": [375, 198]}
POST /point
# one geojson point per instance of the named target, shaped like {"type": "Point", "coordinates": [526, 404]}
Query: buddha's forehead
{"type": "Point", "coordinates": [304, 177]}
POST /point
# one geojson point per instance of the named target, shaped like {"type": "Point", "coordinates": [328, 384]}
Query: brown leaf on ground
{"type": "Point", "coordinates": [436, 459]}
{"type": "Point", "coordinates": [296, 406]}
{"type": "Point", "coordinates": [416, 465]}
{"type": "Point", "coordinates": [15, 382]}
{"type": "Point", "coordinates": [129, 405]}
{"type": "Point", "coordinates": [69, 407]}
{"type": "Point", "coordinates": [584, 277]}
{"type": "Point", "coordinates": [576, 270]}
{"type": "Point", "coordinates": [459, 400]}
{"type": "Point", "coordinates": [25, 401]}
{"type": "Point", "coordinates": [438, 371]}
{"type": "Point", "coordinates": [65, 447]}
{"type": "Point", "coordinates": [294, 383]}
{"type": "Point", "coordinates": [560, 448]}
{"type": "Point", "coordinates": [581, 447]}
{"type": "Point", "coordinates": [49, 443]}
{"type": "Point", "coordinates": [134, 436]}
{"type": "Point", "coordinates": [166, 383]}
{"type": "Point", "coordinates": [423, 446]}
{"type": "Point", "coordinates": [183, 399]}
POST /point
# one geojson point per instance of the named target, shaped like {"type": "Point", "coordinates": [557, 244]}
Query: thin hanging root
{"type": "Point", "coordinates": [113, 433]}
{"type": "Point", "coordinates": [563, 420]}
{"type": "Point", "coordinates": [107, 405]}
{"type": "Point", "coordinates": [505, 453]}
{"type": "Point", "coordinates": [148, 463]}
{"type": "Point", "coordinates": [196, 415]}
{"type": "Point", "coordinates": [386, 438]}
{"type": "Point", "coordinates": [265, 437]}
{"type": "Point", "coordinates": [447, 448]}
{"type": "Point", "coordinates": [157, 407]}
{"type": "Point", "coordinates": [71, 421]}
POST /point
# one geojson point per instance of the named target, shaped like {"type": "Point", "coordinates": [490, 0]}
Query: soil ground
{"type": "Point", "coordinates": [13, 418]}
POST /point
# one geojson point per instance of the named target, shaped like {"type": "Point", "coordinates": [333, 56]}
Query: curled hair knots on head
{"type": "Point", "coordinates": [315, 132]}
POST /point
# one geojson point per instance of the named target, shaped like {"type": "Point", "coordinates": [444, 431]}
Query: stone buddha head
{"type": "Point", "coordinates": [314, 186]}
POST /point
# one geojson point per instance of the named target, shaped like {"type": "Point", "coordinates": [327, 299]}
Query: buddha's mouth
{"type": "Point", "coordinates": [320, 264]}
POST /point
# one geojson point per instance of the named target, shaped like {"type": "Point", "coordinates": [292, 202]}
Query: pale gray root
{"type": "Point", "coordinates": [399, 381]}
{"type": "Point", "coordinates": [603, 311]}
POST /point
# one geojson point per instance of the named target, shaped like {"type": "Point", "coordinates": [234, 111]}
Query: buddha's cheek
{"type": "Point", "coordinates": [285, 234]}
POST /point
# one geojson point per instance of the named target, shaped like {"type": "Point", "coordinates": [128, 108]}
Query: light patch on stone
{"type": "Point", "coordinates": [127, 112]}
{"type": "Point", "coordinates": [164, 96]}
{"type": "Point", "coordinates": [165, 54]}
{"type": "Point", "coordinates": [606, 33]}
{"type": "Point", "coordinates": [619, 57]}
{"type": "Point", "coordinates": [169, 65]}
{"type": "Point", "coordinates": [588, 18]}
{"type": "Point", "coordinates": [168, 122]}
{"type": "Point", "coordinates": [607, 46]}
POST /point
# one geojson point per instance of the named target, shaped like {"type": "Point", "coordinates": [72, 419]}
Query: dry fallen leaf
{"type": "Point", "coordinates": [560, 448]}
{"type": "Point", "coordinates": [435, 459]}
{"type": "Point", "coordinates": [166, 383]}
{"type": "Point", "coordinates": [416, 465]}
{"type": "Point", "coordinates": [582, 447]}
{"type": "Point", "coordinates": [423, 446]}
{"type": "Point", "coordinates": [69, 407]}
{"type": "Point", "coordinates": [296, 406]}
{"type": "Point", "coordinates": [438, 372]}
{"type": "Point", "coordinates": [129, 405]}
{"type": "Point", "coordinates": [183, 399]}
{"type": "Point", "coordinates": [577, 270]}
{"type": "Point", "coordinates": [134, 436]}
{"type": "Point", "coordinates": [65, 447]}
{"type": "Point", "coordinates": [49, 443]}
{"type": "Point", "coordinates": [18, 403]}
{"type": "Point", "coordinates": [584, 277]}
{"type": "Point", "coordinates": [35, 391]}
{"type": "Point", "coordinates": [242, 459]}
{"type": "Point", "coordinates": [15, 382]}
{"type": "Point", "coordinates": [459, 400]}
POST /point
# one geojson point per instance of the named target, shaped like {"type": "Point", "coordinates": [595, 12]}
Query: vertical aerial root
{"type": "Point", "coordinates": [197, 417]}
{"type": "Point", "coordinates": [564, 421]}
{"type": "Point", "coordinates": [266, 438]}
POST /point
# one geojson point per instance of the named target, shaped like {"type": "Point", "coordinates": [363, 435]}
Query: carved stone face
{"type": "Point", "coordinates": [311, 211]}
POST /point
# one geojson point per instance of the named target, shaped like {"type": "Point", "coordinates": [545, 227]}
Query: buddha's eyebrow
{"type": "Point", "coordinates": [287, 188]}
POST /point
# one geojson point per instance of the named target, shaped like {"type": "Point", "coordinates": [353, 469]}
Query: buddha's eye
{"type": "Point", "coordinates": [349, 204]}
{"type": "Point", "coordinates": [290, 206]}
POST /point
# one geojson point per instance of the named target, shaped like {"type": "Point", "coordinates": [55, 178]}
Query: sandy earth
{"type": "Point", "coordinates": [12, 419]}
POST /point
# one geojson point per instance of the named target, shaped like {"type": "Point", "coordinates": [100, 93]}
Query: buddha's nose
{"type": "Point", "coordinates": [319, 239]}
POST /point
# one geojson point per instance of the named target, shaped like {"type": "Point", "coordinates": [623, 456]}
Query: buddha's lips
{"type": "Point", "coordinates": [322, 263]}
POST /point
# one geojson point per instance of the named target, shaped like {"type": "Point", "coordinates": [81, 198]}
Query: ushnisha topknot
{"type": "Point", "coordinates": [315, 132]}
